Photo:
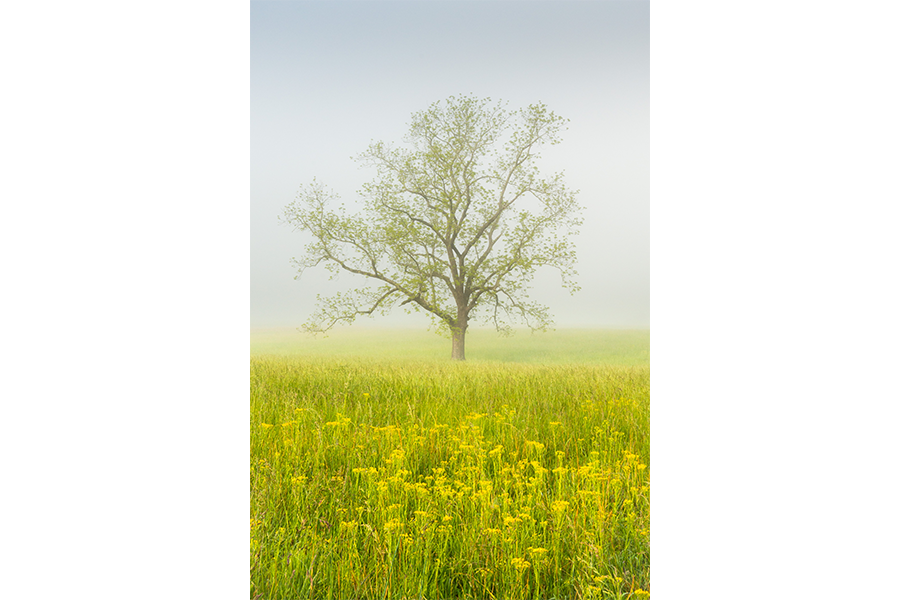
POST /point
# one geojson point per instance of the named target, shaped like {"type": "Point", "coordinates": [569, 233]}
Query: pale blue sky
{"type": "Point", "coordinates": [329, 77]}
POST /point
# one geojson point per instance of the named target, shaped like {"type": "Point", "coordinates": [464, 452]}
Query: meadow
{"type": "Point", "coordinates": [381, 469]}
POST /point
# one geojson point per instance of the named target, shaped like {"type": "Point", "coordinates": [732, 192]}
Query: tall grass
{"type": "Point", "coordinates": [403, 479]}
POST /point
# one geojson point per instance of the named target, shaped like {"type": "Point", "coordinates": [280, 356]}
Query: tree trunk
{"type": "Point", "coordinates": [459, 343]}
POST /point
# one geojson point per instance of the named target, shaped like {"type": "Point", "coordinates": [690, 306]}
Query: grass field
{"type": "Point", "coordinates": [380, 471]}
{"type": "Point", "coordinates": [565, 346]}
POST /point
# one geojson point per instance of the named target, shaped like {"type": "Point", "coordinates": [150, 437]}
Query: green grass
{"type": "Point", "coordinates": [564, 346]}
{"type": "Point", "coordinates": [379, 475]}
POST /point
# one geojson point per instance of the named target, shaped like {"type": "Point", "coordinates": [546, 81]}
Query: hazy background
{"type": "Point", "coordinates": [326, 78]}
{"type": "Point", "coordinates": [125, 243]}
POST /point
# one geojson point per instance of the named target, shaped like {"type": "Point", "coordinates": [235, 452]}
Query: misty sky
{"type": "Point", "coordinates": [327, 78]}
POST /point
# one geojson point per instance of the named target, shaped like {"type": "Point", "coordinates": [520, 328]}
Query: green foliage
{"type": "Point", "coordinates": [399, 479]}
{"type": "Point", "coordinates": [454, 224]}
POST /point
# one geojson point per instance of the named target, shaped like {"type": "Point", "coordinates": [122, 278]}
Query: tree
{"type": "Point", "coordinates": [455, 224]}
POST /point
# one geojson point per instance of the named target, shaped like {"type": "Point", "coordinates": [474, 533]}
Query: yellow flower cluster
{"type": "Point", "coordinates": [519, 563]}
{"type": "Point", "coordinates": [473, 483]}
{"type": "Point", "coordinates": [341, 421]}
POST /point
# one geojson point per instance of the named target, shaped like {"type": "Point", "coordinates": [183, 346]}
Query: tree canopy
{"type": "Point", "coordinates": [455, 223]}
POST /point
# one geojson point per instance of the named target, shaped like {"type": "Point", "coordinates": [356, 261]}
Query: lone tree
{"type": "Point", "coordinates": [454, 224]}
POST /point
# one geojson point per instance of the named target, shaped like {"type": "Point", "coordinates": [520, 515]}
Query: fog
{"type": "Point", "coordinates": [327, 78]}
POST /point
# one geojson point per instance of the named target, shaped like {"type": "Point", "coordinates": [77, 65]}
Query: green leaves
{"type": "Point", "coordinates": [455, 221]}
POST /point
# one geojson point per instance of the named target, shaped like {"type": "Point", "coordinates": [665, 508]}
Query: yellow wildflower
{"type": "Point", "coordinates": [520, 563]}
{"type": "Point", "coordinates": [511, 521]}
{"type": "Point", "coordinates": [393, 524]}
{"type": "Point", "coordinates": [525, 517]}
